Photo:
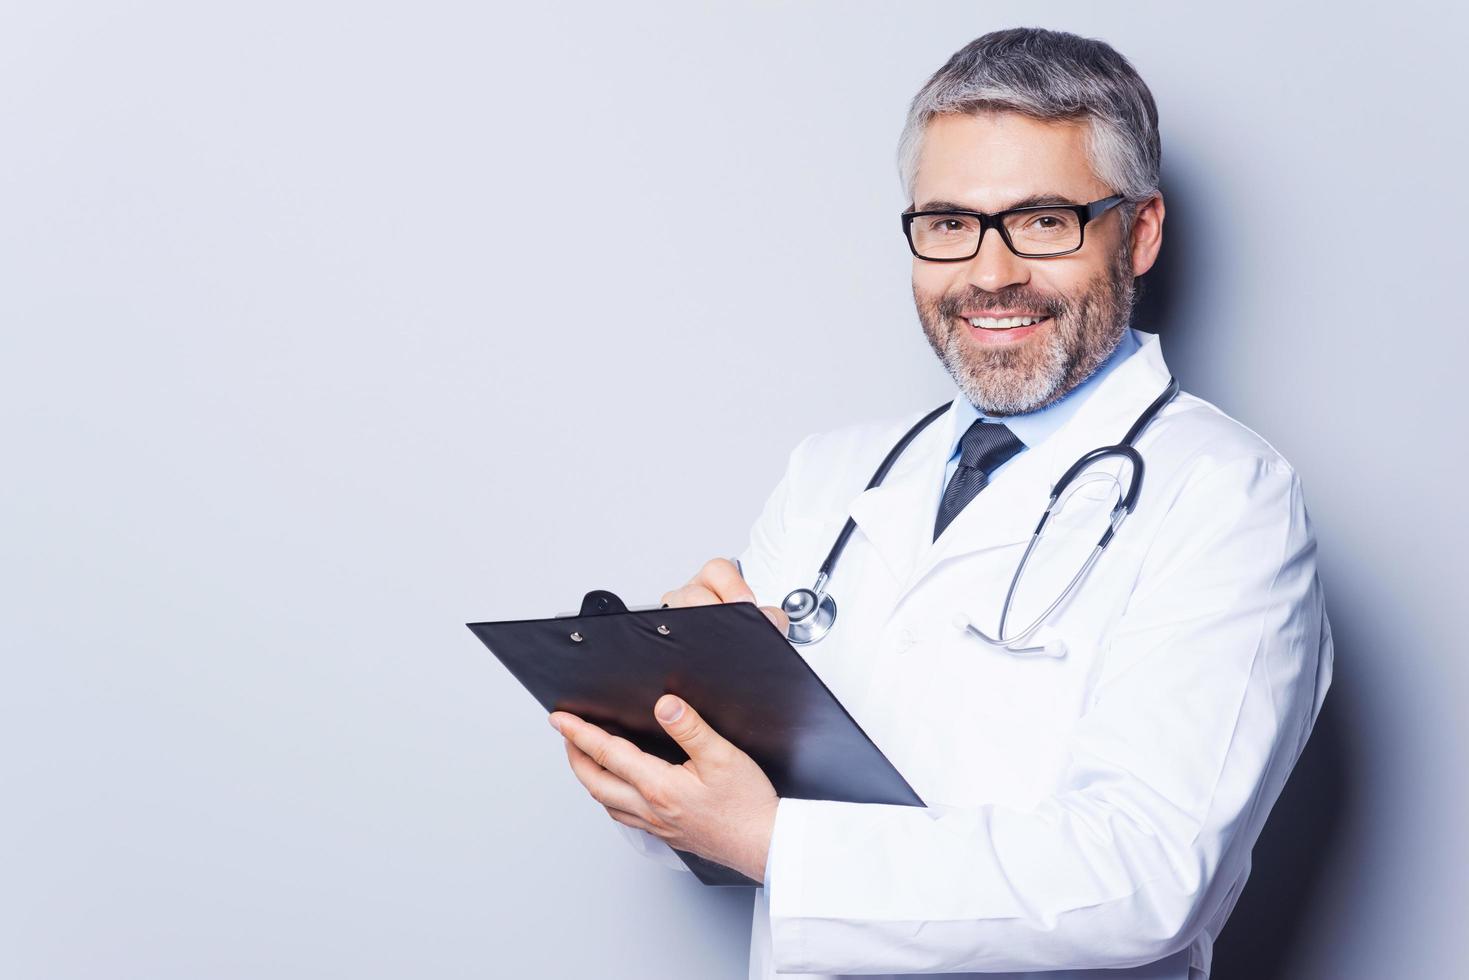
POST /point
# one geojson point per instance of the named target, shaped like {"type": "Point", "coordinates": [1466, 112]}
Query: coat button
{"type": "Point", "coordinates": [906, 639]}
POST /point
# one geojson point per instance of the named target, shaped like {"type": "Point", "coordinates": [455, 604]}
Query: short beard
{"type": "Point", "coordinates": [1078, 340]}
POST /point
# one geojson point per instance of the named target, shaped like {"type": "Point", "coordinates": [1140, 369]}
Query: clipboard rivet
{"type": "Point", "coordinates": [577, 637]}
{"type": "Point", "coordinates": [664, 629]}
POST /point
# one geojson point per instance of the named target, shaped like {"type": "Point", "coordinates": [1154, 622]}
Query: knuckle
{"type": "Point", "coordinates": [599, 754]}
{"type": "Point", "coordinates": [656, 793]}
{"type": "Point", "coordinates": [621, 745]}
{"type": "Point", "coordinates": [612, 749]}
{"type": "Point", "coordinates": [693, 734]}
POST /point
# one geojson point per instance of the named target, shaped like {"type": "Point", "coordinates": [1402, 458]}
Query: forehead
{"type": "Point", "coordinates": [991, 160]}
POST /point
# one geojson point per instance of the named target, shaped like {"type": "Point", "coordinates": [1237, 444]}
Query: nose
{"type": "Point", "coordinates": [994, 266]}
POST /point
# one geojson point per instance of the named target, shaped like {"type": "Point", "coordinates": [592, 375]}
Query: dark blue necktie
{"type": "Point", "coordinates": [981, 450]}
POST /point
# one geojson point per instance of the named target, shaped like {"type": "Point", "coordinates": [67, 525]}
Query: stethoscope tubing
{"type": "Point", "coordinates": [824, 574]}
{"type": "Point", "coordinates": [817, 605]}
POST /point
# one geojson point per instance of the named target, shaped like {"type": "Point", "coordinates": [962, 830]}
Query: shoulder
{"type": "Point", "coordinates": [1197, 437]}
{"type": "Point", "coordinates": [840, 461]}
{"type": "Point", "coordinates": [1208, 474]}
{"type": "Point", "coordinates": [856, 441]}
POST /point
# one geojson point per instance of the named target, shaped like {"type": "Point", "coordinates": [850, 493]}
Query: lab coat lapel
{"type": "Point", "coordinates": [897, 516]}
{"type": "Point", "coordinates": [1006, 512]}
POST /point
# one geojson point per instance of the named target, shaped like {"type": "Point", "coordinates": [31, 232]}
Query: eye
{"type": "Point", "coordinates": [948, 224]}
{"type": "Point", "coordinates": [1051, 224]}
{"type": "Point", "coordinates": [1048, 221]}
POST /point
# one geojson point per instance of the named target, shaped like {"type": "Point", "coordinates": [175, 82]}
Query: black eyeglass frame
{"type": "Point", "coordinates": [1084, 213]}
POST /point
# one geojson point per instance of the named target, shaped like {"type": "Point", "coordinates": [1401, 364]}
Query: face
{"type": "Point", "coordinates": [1083, 300]}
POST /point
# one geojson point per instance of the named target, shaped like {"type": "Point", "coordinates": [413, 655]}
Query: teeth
{"type": "Point", "coordinates": [1004, 322]}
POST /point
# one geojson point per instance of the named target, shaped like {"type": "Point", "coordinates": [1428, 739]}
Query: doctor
{"type": "Point", "coordinates": [1092, 809]}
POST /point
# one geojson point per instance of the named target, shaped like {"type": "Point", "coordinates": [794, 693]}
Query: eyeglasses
{"type": "Point", "coordinates": [1032, 232]}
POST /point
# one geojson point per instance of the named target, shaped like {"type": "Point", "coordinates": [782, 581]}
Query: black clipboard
{"type": "Point", "coordinates": [609, 665]}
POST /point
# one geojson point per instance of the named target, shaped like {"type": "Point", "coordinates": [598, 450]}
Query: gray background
{"type": "Point", "coordinates": [328, 327]}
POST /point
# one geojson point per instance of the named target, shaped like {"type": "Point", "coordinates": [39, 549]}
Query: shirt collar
{"type": "Point", "coordinates": [1033, 428]}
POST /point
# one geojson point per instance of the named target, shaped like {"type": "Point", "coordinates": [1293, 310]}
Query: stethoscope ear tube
{"type": "Point", "coordinates": [1051, 648]}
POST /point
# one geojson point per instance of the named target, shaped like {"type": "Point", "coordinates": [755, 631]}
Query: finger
{"type": "Point", "coordinates": [777, 616]}
{"type": "Point", "coordinates": [615, 754]}
{"type": "Point", "coordinates": [632, 820]}
{"type": "Point", "coordinates": [720, 576]}
{"type": "Point", "coordinates": [604, 787]}
{"type": "Point", "coordinates": [690, 595]}
{"type": "Point", "coordinates": [683, 724]}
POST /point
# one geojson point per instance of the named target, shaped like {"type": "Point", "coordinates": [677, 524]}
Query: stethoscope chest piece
{"type": "Point", "coordinates": [811, 615]}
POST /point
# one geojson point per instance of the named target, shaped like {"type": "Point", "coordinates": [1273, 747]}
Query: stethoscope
{"type": "Point", "coordinates": [813, 611]}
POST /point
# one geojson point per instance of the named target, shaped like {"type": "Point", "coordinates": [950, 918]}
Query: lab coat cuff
{"type": "Point", "coordinates": [785, 880]}
{"type": "Point", "coordinates": [652, 847]}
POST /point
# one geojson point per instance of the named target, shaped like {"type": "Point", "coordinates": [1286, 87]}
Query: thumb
{"type": "Point", "coordinates": [683, 724]}
{"type": "Point", "coordinates": [777, 617]}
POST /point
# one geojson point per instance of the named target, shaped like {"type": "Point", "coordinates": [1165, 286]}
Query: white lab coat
{"type": "Point", "coordinates": [1087, 812]}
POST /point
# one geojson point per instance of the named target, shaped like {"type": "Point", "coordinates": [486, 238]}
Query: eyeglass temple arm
{"type": "Point", "coordinates": [1100, 207]}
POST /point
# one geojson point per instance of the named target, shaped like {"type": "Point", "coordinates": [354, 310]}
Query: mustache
{"type": "Point", "coordinates": [982, 302]}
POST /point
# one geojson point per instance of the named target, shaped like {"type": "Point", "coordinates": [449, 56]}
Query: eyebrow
{"type": "Point", "coordinates": [1034, 200]}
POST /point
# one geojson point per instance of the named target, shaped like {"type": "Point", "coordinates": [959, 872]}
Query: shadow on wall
{"type": "Point", "coordinates": [1161, 292]}
{"type": "Point", "coordinates": [1261, 939]}
{"type": "Point", "coordinates": [1269, 922]}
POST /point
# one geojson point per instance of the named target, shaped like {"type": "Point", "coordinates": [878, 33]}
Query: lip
{"type": "Point", "coordinates": [1011, 335]}
{"type": "Point", "coordinates": [998, 314]}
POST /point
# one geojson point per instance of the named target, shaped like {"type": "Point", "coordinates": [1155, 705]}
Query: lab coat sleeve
{"type": "Point", "coordinates": [1206, 694]}
{"type": "Point", "coordinates": [760, 563]}
{"type": "Point", "coordinates": [763, 559]}
{"type": "Point", "coordinates": [650, 846]}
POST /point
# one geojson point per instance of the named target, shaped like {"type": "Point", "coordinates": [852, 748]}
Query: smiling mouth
{"type": "Point", "coordinates": [1003, 323]}
{"type": "Point", "coordinates": [1001, 331]}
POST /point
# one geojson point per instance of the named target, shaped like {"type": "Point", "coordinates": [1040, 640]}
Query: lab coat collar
{"type": "Point", "coordinates": [897, 516]}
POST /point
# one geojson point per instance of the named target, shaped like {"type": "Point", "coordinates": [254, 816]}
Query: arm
{"type": "Point", "coordinates": [1208, 691]}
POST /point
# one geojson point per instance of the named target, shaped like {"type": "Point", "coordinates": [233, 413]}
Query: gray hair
{"type": "Point", "coordinates": [1050, 75]}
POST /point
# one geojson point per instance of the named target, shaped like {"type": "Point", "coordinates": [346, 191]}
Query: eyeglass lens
{"type": "Point", "coordinates": [945, 236]}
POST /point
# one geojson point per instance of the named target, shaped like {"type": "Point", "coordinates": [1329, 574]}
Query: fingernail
{"type": "Point", "coordinates": [555, 722]}
{"type": "Point", "coordinates": [671, 710]}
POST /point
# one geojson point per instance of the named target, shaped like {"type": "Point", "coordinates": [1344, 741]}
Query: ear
{"type": "Point", "coordinates": [1147, 234]}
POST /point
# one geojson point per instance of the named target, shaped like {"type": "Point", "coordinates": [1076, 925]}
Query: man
{"type": "Point", "coordinates": [1091, 803]}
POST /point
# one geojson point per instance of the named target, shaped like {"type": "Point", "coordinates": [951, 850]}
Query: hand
{"type": "Point", "coordinates": [719, 804]}
{"type": "Point", "coordinates": [720, 581]}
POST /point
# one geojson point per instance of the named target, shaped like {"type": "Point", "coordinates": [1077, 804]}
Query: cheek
{"type": "Point", "coordinates": [932, 280]}
{"type": "Point", "coordinates": [1069, 282]}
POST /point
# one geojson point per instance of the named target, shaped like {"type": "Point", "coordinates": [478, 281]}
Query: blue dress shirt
{"type": "Point", "coordinates": [1032, 428]}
